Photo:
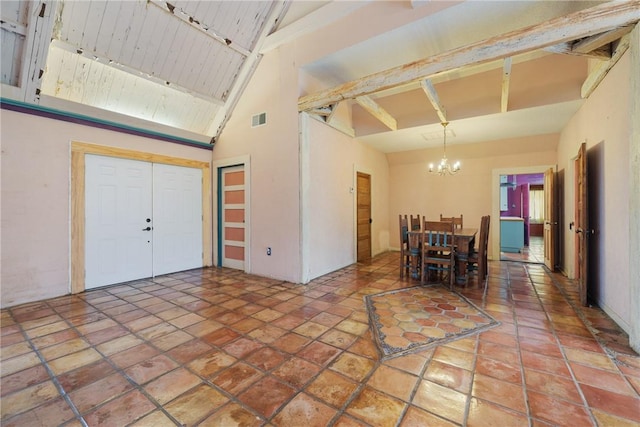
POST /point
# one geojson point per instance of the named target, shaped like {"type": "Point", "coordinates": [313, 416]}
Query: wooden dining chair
{"type": "Point", "coordinates": [414, 222]}
{"type": "Point", "coordinates": [477, 260]}
{"type": "Point", "coordinates": [438, 251]}
{"type": "Point", "coordinates": [457, 222]}
{"type": "Point", "coordinates": [415, 254]}
{"type": "Point", "coordinates": [404, 246]}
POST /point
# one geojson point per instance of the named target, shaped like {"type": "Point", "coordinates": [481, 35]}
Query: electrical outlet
{"type": "Point", "coordinates": [269, 251]}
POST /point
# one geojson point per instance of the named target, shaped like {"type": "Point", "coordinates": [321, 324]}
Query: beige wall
{"type": "Point", "coordinates": [275, 175]}
{"type": "Point", "coordinates": [300, 200]}
{"type": "Point", "coordinates": [604, 123]}
{"type": "Point", "coordinates": [413, 190]}
{"type": "Point", "coordinates": [35, 194]}
{"type": "Point", "coordinates": [329, 196]}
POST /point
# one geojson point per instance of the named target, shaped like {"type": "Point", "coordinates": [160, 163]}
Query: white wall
{"type": "Point", "coordinates": [35, 197]}
{"type": "Point", "coordinates": [604, 123]}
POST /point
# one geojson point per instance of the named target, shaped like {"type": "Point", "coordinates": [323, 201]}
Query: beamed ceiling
{"type": "Point", "coordinates": [492, 69]}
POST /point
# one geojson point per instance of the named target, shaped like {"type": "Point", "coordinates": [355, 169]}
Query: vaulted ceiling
{"type": "Point", "coordinates": [493, 69]}
{"type": "Point", "coordinates": [182, 64]}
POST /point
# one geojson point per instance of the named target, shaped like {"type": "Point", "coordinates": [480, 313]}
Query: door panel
{"type": "Point", "coordinates": [177, 218]}
{"type": "Point", "coordinates": [364, 216]}
{"type": "Point", "coordinates": [582, 229]}
{"type": "Point", "coordinates": [117, 203]}
{"type": "Point", "coordinates": [549, 220]}
{"type": "Point", "coordinates": [232, 236]}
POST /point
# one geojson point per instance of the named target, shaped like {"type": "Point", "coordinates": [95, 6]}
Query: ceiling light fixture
{"type": "Point", "coordinates": [444, 167]}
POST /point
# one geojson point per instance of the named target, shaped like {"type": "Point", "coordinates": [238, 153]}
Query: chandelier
{"type": "Point", "coordinates": [444, 167]}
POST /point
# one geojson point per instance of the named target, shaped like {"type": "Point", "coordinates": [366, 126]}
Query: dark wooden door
{"type": "Point", "coordinates": [364, 216]}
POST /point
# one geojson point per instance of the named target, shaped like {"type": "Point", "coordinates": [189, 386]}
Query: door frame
{"type": "Point", "coordinates": [217, 165]}
{"type": "Point", "coordinates": [494, 232]}
{"type": "Point", "coordinates": [78, 152]}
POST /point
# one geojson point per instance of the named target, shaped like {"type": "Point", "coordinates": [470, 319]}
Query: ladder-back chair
{"type": "Point", "coordinates": [414, 222]}
{"type": "Point", "coordinates": [438, 251]}
{"type": "Point", "coordinates": [457, 222]}
{"type": "Point", "coordinates": [404, 245]}
{"type": "Point", "coordinates": [477, 260]}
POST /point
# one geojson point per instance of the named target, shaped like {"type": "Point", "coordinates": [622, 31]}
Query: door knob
{"type": "Point", "coordinates": [146, 229]}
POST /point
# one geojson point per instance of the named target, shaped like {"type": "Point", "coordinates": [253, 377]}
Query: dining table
{"type": "Point", "coordinates": [464, 242]}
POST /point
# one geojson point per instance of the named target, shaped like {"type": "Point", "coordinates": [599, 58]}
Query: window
{"type": "Point", "coordinates": [536, 205]}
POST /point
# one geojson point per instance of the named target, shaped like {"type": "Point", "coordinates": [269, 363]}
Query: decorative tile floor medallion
{"type": "Point", "coordinates": [414, 319]}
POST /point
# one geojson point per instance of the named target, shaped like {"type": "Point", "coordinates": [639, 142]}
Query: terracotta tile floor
{"type": "Point", "coordinates": [216, 347]}
{"type": "Point", "coordinates": [534, 252]}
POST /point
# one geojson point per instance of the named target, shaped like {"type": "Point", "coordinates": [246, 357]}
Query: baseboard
{"type": "Point", "coordinates": [619, 321]}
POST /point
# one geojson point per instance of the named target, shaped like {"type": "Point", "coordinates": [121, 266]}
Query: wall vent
{"type": "Point", "coordinates": [259, 120]}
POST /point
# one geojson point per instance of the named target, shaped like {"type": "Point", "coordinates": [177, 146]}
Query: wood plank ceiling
{"type": "Point", "coordinates": [181, 63]}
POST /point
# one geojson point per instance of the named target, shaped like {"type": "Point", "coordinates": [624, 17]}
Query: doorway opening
{"type": "Point", "coordinates": [503, 181]}
{"type": "Point", "coordinates": [522, 217]}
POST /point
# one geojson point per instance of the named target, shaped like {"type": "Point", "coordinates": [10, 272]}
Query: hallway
{"type": "Point", "coordinates": [534, 252]}
{"type": "Point", "coordinates": [217, 347]}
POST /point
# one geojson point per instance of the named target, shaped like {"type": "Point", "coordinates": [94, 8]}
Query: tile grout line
{"type": "Point", "coordinates": [611, 354]}
{"type": "Point", "coordinates": [52, 375]}
{"type": "Point", "coordinates": [585, 403]}
{"type": "Point", "coordinates": [116, 368]}
{"type": "Point", "coordinates": [523, 379]}
{"type": "Point", "coordinates": [232, 397]}
{"type": "Point", "coordinates": [467, 406]}
{"type": "Point", "coordinates": [205, 380]}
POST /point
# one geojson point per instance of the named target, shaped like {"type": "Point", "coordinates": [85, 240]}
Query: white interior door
{"type": "Point", "coordinates": [117, 205]}
{"type": "Point", "coordinates": [177, 218]}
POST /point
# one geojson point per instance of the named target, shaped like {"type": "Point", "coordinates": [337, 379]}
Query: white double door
{"type": "Point", "coordinates": [141, 219]}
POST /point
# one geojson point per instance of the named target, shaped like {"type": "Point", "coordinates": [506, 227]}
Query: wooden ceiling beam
{"type": "Point", "coordinates": [592, 43]}
{"type": "Point", "coordinates": [331, 115]}
{"type": "Point", "coordinates": [601, 70]}
{"type": "Point", "coordinates": [577, 25]}
{"type": "Point", "coordinates": [430, 91]}
{"type": "Point", "coordinates": [336, 124]}
{"type": "Point", "coordinates": [377, 111]}
{"type": "Point", "coordinates": [566, 48]}
{"type": "Point", "coordinates": [506, 80]}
